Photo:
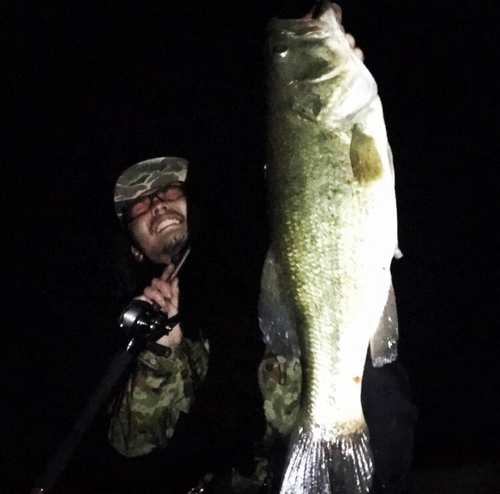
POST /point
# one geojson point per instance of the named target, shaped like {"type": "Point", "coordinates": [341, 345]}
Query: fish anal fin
{"type": "Point", "coordinates": [384, 342]}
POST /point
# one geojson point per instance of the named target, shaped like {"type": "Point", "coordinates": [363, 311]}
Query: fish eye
{"type": "Point", "coordinates": [281, 50]}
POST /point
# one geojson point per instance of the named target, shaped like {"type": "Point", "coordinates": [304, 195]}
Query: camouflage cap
{"type": "Point", "coordinates": [147, 175]}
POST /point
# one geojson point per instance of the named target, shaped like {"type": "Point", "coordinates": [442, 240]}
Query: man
{"type": "Point", "coordinates": [221, 432]}
{"type": "Point", "coordinates": [227, 418]}
{"type": "Point", "coordinates": [151, 204]}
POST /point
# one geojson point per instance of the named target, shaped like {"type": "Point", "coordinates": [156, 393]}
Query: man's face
{"type": "Point", "coordinates": [157, 222]}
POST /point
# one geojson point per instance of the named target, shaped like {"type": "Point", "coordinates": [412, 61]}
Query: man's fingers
{"type": "Point", "coordinates": [154, 295]}
{"type": "Point", "coordinates": [162, 286]}
{"type": "Point", "coordinates": [350, 40]}
{"type": "Point", "coordinates": [352, 43]}
{"type": "Point", "coordinates": [359, 54]}
{"type": "Point", "coordinates": [166, 295]}
{"type": "Point", "coordinates": [338, 12]}
{"type": "Point", "coordinates": [163, 294]}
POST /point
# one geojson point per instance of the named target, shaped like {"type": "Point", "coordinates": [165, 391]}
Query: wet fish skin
{"type": "Point", "coordinates": [333, 236]}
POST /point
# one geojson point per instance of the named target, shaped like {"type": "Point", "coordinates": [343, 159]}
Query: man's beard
{"type": "Point", "coordinates": [172, 247]}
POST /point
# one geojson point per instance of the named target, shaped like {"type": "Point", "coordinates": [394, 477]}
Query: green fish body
{"type": "Point", "coordinates": [333, 235]}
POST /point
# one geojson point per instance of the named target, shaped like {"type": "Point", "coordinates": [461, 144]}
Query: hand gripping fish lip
{"type": "Point", "coordinates": [319, 23]}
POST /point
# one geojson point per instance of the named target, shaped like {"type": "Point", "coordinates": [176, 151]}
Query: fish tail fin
{"type": "Point", "coordinates": [316, 465]}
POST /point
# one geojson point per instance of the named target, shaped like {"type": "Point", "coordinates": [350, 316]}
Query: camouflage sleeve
{"type": "Point", "coordinates": [144, 416]}
{"type": "Point", "coordinates": [280, 383]}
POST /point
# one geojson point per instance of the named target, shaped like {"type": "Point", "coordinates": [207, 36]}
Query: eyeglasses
{"type": "Point", "coordinates": [143, 204]}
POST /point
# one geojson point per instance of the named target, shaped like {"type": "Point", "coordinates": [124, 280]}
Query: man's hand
{"type": "Point", "coordinates": [165, 296]}
{"type": "Point", "coordinates": [352, 43]}
{"type": "Point", "coordinates": [350, 38]}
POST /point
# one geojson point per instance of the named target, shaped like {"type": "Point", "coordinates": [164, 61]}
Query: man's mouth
{"type": "Point", "coordinates": [166, 223]}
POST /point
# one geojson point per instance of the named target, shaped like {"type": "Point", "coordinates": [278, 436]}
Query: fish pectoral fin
{"type": "Point", "coordinates": [366, 161]}
{"type": "Point", "coordinates": [384, 342]}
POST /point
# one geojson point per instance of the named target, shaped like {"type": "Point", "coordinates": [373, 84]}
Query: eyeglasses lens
{"type": "Point", "coordinates": [143, 204]}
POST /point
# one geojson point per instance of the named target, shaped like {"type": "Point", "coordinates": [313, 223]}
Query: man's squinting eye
{"type": "Point", "coordinates": [142, 205]}
{"type": "Point", "coordinates": [170, 193]}
{"type": "Point", "coordinates": [139, 208]}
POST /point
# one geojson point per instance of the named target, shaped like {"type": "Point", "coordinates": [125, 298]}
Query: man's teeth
{"type": "Point", "coordinates": [166, 223]}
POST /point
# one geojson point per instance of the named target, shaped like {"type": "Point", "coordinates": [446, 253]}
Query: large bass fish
{"type": "Point", "coordinates": [327, 275]}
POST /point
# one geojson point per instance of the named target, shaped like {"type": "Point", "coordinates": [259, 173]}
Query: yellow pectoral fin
{"type": "Point", "coordinates": [365, 159]}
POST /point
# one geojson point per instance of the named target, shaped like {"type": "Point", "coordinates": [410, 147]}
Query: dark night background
{"type": "Point", "coordinates": [92, 88]}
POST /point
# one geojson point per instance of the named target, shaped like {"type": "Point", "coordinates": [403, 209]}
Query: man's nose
{"type": "Point", "coordinates": [158, 204]}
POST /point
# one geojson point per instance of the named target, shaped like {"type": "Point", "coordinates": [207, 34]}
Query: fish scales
{"type": "Point", "coordinates": [333, 235]}
{"type": "Point", "coordinates": [321, 246]}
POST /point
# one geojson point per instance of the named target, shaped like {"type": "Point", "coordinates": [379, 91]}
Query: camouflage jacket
{"type": "Point", "coordinates": [145, 415]}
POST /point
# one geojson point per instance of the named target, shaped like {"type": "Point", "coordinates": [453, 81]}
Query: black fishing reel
{"type": "Point", "coordinates": [144, 323]}
{"type": "Point", "coordinates": [140, 319]}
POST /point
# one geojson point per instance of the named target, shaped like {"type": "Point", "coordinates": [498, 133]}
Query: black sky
{"type": "Point", "coordinates": [90, 88]}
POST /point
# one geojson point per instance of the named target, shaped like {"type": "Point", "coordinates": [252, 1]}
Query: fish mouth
{"type": "Point", "coordinates": [166, 222]}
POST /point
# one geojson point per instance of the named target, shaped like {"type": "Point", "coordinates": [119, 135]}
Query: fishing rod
{"type": "Point", "coordinates": [143, 323]}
